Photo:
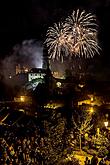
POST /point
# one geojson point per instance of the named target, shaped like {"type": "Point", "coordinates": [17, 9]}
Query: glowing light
{"type": "Point", "coordinates": [81, 85]}
{"type": "Point", "coordinates": [92, 99]}
{"type": "Point", "coordinates": [98, 131]}
{"type": "Point", "coordinates": [26, 70]}
{"type": "Point", "coordinates": [58, 84]}
{"type": "Point", "coordinates": [106, 123]}
{"type": "Point", "coordinates": [21, 110]}
{"type": "Point", "coordinates": [91, 109]}
{"type": "Point", "coordinates": [10, 77]}
{"type": "Point", "coordinates": [53, 105]}
{"type": "Point", "coordinates": [22, 98]}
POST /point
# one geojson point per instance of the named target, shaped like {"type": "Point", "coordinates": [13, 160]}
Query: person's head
{"type": "Point", "coordinates": [88, 160]}
{"type": "Point", "coordinates": [103, 159]}
{"type": "Point", "coordinates": [94, 155]}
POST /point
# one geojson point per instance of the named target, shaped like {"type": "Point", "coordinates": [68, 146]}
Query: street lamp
{"type": "Point", "coordinates": [98, 132]}
{"type": "Point", "coordinates": [91, 109]}
{"type": "Point", "coordinates": [92, 99]}
{"type": "Point", "coordinates": [106, 124]}
{"type": "Point", "coordinates": [22, 98]}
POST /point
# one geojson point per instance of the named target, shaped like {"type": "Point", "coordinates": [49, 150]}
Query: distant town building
{"type": "Point", "coordinates": [36, 73]}
{"type": "Point", "coordinates": [58, 75]}
{"type": "Point", "coordinates": [21, 69]}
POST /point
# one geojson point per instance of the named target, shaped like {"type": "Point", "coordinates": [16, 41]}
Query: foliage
{"type": "Point", "coordinates": [52, 148]}
{"type": "Point", "coordinates": [102, 152]}
{"type": "Point", "coordinates": [58, 142]}
{"type": "Point", "coordinates": [85, 148]}
{"type": "Point", "coordinates": [71, 162]}
{"type": "Point", "coordinates": [82, 124]}
{"type": "Point", "coordinates": [98, 141]}
{"type": "Point", "coordinates": [92, 151]}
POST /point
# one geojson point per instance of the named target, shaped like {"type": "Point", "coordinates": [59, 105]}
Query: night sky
{"type": "Point", "coordinates": [29, 19]}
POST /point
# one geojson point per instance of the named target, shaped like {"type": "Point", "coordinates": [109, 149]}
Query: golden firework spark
{"type": "Point", "coordinates": [76, 36]}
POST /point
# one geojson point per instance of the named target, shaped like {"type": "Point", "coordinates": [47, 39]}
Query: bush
{"type": "Point", "coordinates": [71, 162]}
{"type": "Point", "coordinates": [75, 162]}
{"type": "Point", "coordinates": [85, 148]}
{"type": "Point", "coordinates": [92, 152]}
{"type": "Point", "coordinates": [102, 152]}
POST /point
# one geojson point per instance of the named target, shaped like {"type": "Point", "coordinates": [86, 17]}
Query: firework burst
{"type": "Point", "coordinates": [83, 30]}
{"type": "Point", "coordinates": [57, 41]}
{"type": "Point", "coordinates": [76, 36]}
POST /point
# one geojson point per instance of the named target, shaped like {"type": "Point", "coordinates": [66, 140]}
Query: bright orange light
{"type": "Point", "coordinates": [91, 109]}
{"type": "Point", "coordinates": [106, 123]}
{"type": "Point", "coordinates": [22, 98]}
{"type": "Point", "coordinates": [92, 98]}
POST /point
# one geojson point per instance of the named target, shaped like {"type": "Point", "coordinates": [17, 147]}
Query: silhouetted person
{"type": "Point", "coordinates": [86, 161]}
{"type": "Point", "coordinates": [89, 162]}
{"type": "Point", "coordinates": [102, 162]}
{"type": "Point", "coordinates": [94, 160]}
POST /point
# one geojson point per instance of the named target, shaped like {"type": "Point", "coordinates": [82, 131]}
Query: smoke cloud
{"type": "Point", "coordinates": [29, 54]}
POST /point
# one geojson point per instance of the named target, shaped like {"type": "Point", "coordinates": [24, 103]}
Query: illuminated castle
{"type": "Point", "coordinates": [21, 69]}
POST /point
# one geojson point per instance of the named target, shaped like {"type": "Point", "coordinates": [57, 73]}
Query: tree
{"type": "Point", "coordinates": [52, 148]}
{"type": "Point", "coordinates": [82, 124]}
{"type": "Point", "coordinates": [41, 94]}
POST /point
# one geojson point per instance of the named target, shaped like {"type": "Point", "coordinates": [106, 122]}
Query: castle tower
{"type": "Point", "coordinates": [45, 59]}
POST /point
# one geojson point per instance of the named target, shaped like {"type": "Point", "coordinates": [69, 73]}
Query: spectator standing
{"type": "Point", "coordinates": [86, 161]}
{"type": "Point", "coordinates": [89, 162]}
{"type": "Point", "coordinates": [94, 160]}
{"type": "Point", "coordinates": [102, 162]}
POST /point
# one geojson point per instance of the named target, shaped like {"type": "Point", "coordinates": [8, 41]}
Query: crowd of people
{"type": "Point", "coordinates": [20, 148]}
{"type": "Point", "coordinates": [94, 161]}
{"type": "Point", "coordinates": [20, 145]}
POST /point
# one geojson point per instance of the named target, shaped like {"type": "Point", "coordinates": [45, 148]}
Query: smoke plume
{"type": "Point", "coordinates": [29, 54]}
